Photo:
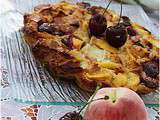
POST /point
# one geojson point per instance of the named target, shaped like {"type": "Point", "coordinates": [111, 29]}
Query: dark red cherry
{"type": "Point", "coordinates": [71, 116]}
{"type": "Point", "coordinates": [45, 27]}
{"type": "Point", "coordinates": [151, 69]}
{"type": "Point", "coordinates": [49, 28]}
{"type": "Point", "coordinates": [116, 35]}
{"type": "Point", "coordinates": [97, 24]}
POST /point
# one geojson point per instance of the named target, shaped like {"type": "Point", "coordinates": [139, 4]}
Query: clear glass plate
{"type": "Point", "coordinates": [28, 81]}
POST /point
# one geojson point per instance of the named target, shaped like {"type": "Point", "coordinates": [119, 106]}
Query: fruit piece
{"type": "Point", "coordinates": [151, 69]}
{"type": "Point", "coordinates": [129, 28]}
{"type": "Point", "coordinates": [45, 27]}
{"type": "Point", "coordinates": [68, 42]}
{"type": "Point", "coordinates": [103, 45]}
{"type": "Point", "coordinates": [77, 44]}
{"type": "Point", "coordinates": [99, 76]}
{"type": "Point", "coordinates": [129, 79]}
{"type": "Point", "coordinates": [49, 28]}
{"type": "Point", "coordinates": [150, 82]}
{"type": "Point", "coordinates": [133, 80]}
{"type": "Point", "coordinates": [72, 42]}
{"type": "Point", "coordinates": [116, 35]}
{"type": "Point", "coordinates": [93, 53]}
{"type": "Point", "coordinates": [131, 31]}
{"type": "Point", "coordinates": [82, 32]}
{"type": "Point", "coordinates": [149, 73]}
{"type": "Point", "coordinates": [127, 23]}
{"type": "Point", "coordinates": [97, 24]}
{"type": "Point", "coordinates": [120, 80]}
{"type": "Point", "coordinates": [109, 65]}
{"type": "Point", "coordinates": [122, 104]}
{"type": "Point", "coordinates": [71, 116]}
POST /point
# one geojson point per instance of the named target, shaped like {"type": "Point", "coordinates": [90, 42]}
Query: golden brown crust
{"type": "Point", "coordinates": [58, 36]}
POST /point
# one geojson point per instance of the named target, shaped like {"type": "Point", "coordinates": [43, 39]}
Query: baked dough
{"type": "Point", "coordinates": [59, 37]}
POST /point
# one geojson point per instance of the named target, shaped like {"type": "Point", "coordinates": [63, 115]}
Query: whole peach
{"type": "Point", "coordinates": [119, 104]}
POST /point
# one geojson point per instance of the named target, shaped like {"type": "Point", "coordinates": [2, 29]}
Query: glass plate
{"type": "Point", "coordinates": [28, 81]}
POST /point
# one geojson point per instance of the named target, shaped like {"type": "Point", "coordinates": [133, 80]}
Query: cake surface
{"type": "Point", "coordinates": [60, 39]}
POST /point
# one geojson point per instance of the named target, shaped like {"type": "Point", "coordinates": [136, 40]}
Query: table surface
{"type": "Point", "coordinates": [17, 110]}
